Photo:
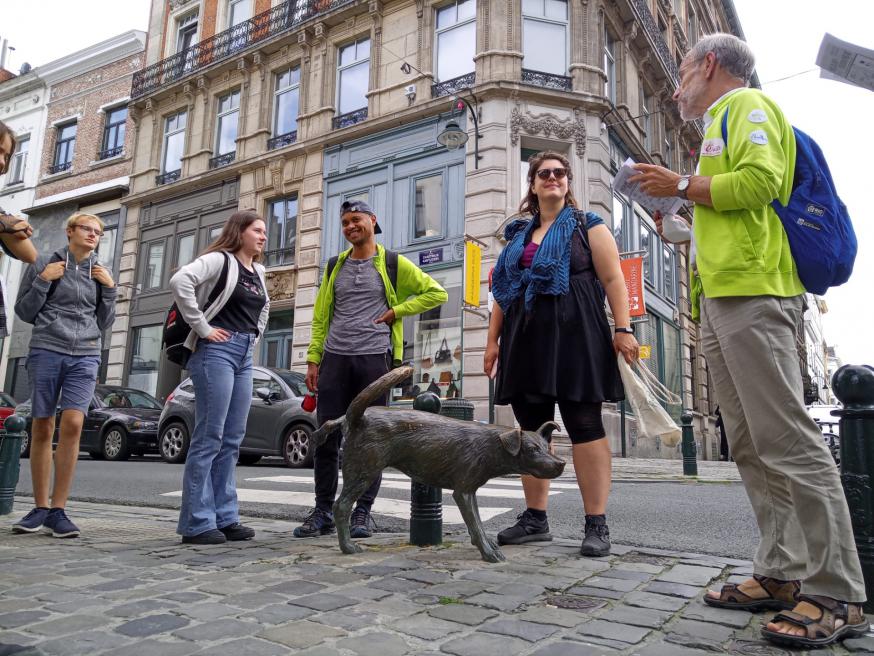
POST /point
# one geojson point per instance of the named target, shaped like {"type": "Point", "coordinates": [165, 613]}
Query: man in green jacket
{"type": "Point", "coordinates": [748, 298]}
{"type": "Point", "coordinates": [357, 336]}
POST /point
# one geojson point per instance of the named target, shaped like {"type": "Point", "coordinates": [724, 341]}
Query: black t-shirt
{"type": "Point", "coordinates": [240, 314]}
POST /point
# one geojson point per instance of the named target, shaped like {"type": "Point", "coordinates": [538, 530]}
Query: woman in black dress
{"type": "Point", "coordinates": [555, 343]}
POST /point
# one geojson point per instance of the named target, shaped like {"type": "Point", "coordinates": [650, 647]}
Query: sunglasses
{"type": "Point", "coordinates": [559, 174]}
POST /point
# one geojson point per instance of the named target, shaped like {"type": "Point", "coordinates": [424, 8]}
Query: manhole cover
{"type": "Point", "coordinates": [573, 603]}
{"type": "Point", "coordinates": [756, 648]}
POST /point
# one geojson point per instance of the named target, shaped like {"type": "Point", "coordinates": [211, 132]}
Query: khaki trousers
{"type": "Point", "coordinates": [790, 477]}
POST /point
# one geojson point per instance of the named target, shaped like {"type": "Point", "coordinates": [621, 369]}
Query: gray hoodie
{"type": "Point", "coordinates": [72, 320]}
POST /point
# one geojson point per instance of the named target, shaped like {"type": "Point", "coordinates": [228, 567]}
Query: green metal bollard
{"type": "Point", "coordinates": [426, 501]}
{"type": "Point", "coordinates": [690, 450]}
{"type": "Point", "coordinates": [10, 454]}
{"type": "Point", "coordinates": [854, 387]}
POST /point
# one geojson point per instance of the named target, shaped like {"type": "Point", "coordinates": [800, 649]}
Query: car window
{"type": "Point", "coordinates": [294, 380]}
{"type": "Point", "coordinates": [129, 399]}
{"type": "Point", "coordinates": [260, 379]}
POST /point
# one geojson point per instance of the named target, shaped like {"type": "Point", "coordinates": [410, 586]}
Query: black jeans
{"type": "Point", "coordinates": [341, 378]}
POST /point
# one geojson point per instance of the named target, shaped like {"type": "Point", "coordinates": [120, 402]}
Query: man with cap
{"type": "Point", "coordinates": [357, 336]}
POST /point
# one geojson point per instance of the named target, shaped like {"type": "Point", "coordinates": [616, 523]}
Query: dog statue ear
{"type": "Point", "coordinates": [512, 441]}
{"type": "Point", "coordinates": [547, 430]}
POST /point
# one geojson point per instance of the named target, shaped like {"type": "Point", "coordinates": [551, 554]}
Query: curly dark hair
{"type": "Point", "coordinates": [530, 204]}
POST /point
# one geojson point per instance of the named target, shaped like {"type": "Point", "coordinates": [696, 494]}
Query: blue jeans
{"type": "Point", "coordinates": [222, 377]}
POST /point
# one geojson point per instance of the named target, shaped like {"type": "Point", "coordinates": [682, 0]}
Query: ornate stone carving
{"type": "Point", "coordinates": [550, 125]}
{"type": "Point", "coordinates": [280, 285]}
{"type": "Point", "coordinates": [679, 37]}
{"type": "Point", "coordinates": [178, 4]}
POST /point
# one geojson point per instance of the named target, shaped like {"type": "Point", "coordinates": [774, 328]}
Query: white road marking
{"type": "Point", "coordinates": [303, 478]}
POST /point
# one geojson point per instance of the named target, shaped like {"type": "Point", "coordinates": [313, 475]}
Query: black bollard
{"type": "Point", "coordinates": [426, 501]}
{"type": "Point", "coordinates": [690, 464]}
{"type": "Point", "coordinates": [854, 387]}
{"type": "Point", "coordinates": [10, 453]}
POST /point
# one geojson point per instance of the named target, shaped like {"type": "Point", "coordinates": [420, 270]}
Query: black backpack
{"type": "Point", "coordinates": [391, 267]}
{"type": "Point", "coordinates": [176, 329]}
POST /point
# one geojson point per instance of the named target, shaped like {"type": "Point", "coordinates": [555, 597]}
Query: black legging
{"type": "Point", "coordinates": [582, 419]}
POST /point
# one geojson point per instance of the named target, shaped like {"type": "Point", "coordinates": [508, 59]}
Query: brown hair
{"type": "Point", "coordinates": [530, 204]}
{"type": "Point", "coordinates": [230, 238]}
{"type": "Point", "coordinates": [5, 131]}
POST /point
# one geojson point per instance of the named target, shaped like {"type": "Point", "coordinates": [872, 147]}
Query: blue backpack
{"type": "Point", "coordinates": [821, 236]}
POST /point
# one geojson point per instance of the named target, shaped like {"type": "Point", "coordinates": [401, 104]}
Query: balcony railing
{"type": "Point", "coordinates": [282, 140]}
{"type": "Point", "coordinates": [279, 256]}
{"type": "Point", "coordinates": [453, 86]}
{"type": "Point", "coordinates": [110, 152]}
{"type": "Point", "coordinates": [351, 118]}
{"type": "Point", "coordinates": [546, 80]}
{"type": "Point", "coordinates": [63, 166]}
{"type": "Point", "coordinates": [168, 177]}
{"type": "Point", "coordinates": [655, 35]}
{"type": "Point", "coordinates": [222, 160]}
{"type": "Point", "coordinates": [266, 25]}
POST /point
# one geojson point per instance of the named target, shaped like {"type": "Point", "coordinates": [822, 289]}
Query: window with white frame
{"type": "Point", "coordinates": [153, 266]}
{"type": "Point", "coordinates": [18, 162]}
{"type": "Point", "coordinates": [106, 245]}
{"type": "Point", "coordinates": [282, 231]}
{"type": "Point", "coordinates": [186, 32]}
{"type": "Point", "coordinates": [545, 36]}
{"type": "Point", "coordinates": [353, 76]}
{"type": "Point", "coordinates": [286, 102]}
{"type": "Point", "coordinates": [227, 121]}
{"type": "Point", "coordinates": [174, 142]}
{"type": "Point", "coordinates": [609, 66]}
{"type": "Point", "coordinates": [65, 146]}
{"type": "Point", "coordinates": [239, 11]}
{"type": "Point", "coordinates": [428, 210]}
{"type": "Point", "coordinates": [455, 39]}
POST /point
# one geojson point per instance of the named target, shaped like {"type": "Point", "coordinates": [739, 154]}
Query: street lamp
{"type": "Point", "coordinates": [453, 136]}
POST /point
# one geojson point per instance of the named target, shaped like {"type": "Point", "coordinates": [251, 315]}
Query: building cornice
{"type": "Point", "coordinates": [95, 56]}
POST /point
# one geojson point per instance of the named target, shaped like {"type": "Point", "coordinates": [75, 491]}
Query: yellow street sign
{"type": "Point", "coordinates": [473, 255]}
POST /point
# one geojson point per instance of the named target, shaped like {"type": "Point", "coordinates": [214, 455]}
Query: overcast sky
{"type": "Point", "coordinates": [785, 35]}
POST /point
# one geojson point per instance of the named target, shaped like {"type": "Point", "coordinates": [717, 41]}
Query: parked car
{"type": "Point", "coordinates": [277, 425]}
{"type": "Point", "coordinates": [7, 407]}
{"type": "Point", "coordinates": [121, 421]}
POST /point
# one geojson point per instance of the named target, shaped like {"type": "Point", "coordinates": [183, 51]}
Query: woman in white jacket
{"type": "Point", "coordinates": [223, 337]}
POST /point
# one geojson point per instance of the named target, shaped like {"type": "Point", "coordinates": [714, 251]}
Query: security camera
{"type": "Point", "coordinates": [410, 92]}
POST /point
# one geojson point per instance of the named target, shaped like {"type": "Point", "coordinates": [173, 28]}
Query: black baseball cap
{"type": "Point", "coordinates": [359, 206]}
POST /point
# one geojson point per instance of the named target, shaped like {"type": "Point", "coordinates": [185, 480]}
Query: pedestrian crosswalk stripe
{"type": "Point", "coordinates": [503, 482]}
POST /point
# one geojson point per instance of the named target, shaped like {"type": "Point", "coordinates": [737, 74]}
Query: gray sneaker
{"type": "Point", "coordinates": [597, 539]}
{"type": "Point", "coordinates": [527, 529]}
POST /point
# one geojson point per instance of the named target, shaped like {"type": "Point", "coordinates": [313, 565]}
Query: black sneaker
{"type": "Point", "coordinates": [31, 522]}
{"type": "Point", "coordinates": [318, 522]}
{"type": "Point", "coordinates": [597, 539]}
{"type": "Point", "coordinates": [212, 536]}
{"type": "Point", "coordinates": [59, 525]}
{"type": "Point", "coordinates": [527, 529]}
{"type": "Point", "coordinates": [236, 532]}
{"type": "Point", "coordinates": [360, 523]}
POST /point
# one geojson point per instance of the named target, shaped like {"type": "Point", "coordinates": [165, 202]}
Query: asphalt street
{"type": "Point", "coordinates": [713, 518]}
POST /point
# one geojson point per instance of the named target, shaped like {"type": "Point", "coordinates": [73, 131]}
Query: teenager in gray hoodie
{"type": "Point", "coordinates": [70, 300]}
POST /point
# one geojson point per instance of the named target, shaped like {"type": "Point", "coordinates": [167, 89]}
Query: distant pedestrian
{"type": "Point", "coordinates": [555, 343]}
{"type": "Point", "coordinates": [748, 297]}
{"type": "Point", "coordinates": [723, 440]}
{"type": "Point", "coordinates": [223, 337]}
{"type": "Point", "coordinates": [70, 300]}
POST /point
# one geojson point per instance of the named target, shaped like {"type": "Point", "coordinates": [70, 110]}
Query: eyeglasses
{"type": "Point", "coordinates": [88, 230]}
{"type": "Point", "coordinates": [559, 174]}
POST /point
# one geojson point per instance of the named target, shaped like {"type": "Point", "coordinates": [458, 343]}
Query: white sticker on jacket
{"type": "Point", "coordinates": [759, 137]}
{"type": "Point", "coordinates": [757, 116]}
{"type": "Point", "coordinates": [712, 147]}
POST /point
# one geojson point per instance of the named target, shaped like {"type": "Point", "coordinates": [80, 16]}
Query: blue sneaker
{"type": "Point", "coordinates": [31, 522]}
{"type": "Point", "coordinates": [59, 525]}
{"type": "Point", "coordinates": [318, 522]}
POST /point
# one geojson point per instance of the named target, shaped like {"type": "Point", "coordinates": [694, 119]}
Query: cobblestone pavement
{"type": "Point", "coordinates": [650, 469]}
{"type": "Point", "coordinates": [128, 587]}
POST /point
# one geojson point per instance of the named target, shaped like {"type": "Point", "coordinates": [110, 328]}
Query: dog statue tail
{"type": "Point", "coordinates": [360, 403]}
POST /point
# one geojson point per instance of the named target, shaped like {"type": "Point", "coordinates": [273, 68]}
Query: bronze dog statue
{"type": "Point", "coordinates": [439, 451]}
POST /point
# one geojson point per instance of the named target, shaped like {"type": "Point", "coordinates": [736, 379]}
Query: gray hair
{"type": "Point", "coordinates": [732, 54]}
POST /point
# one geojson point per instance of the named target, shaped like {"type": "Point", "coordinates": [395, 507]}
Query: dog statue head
{"type": "Point", "coordinates": [530, 449]}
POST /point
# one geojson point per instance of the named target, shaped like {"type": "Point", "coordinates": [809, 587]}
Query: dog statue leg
{"type": "Point", "coordinates": [466, 502]}
{"type": "Point", "coordinates": [353, 487]}
{"type": "Point", "coordinates": [493, 543]}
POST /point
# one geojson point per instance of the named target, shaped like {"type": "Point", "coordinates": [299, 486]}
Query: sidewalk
{"type": "Point", "coordinates": [128, 587]}
{"type": "Point", "coordinates": [658, 469]}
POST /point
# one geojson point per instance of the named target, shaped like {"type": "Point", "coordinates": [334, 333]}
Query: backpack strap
{"type": "Point", "coordinates": [581, 228]}
{"type": "Point", "coordinates": [221, 283]}
{"type": "Point", "coordinates": [331, 264]}
{"type": "Point", "coordinates": [725, 128]}
{"type": "Point", "coordinates": [391, 266]}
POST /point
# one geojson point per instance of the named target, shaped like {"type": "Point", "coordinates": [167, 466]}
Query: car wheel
{"type": "Point", "coordinates": [173, 444]}
{"type": "Point", "coordinates": [248, 458]}
{"type": "Point", "coordinates": [25, 444]}
{"type": "Point", "coordinates": [297, 447]}
{"type": "Point", "coordinates": [113, 445]}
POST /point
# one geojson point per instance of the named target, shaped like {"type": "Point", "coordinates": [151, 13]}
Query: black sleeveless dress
{"type": "Point", "coordinates": [562, 350]}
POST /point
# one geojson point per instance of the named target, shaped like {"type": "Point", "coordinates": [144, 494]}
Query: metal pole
{"type": "Point", "coordinates": [854, 387]}
{"type": "Point", "coordinates": [10, 453]}
{"type": "Point", "coordinates": [426, 501]}
{"type": "Point", "coordinates": [690, 464]}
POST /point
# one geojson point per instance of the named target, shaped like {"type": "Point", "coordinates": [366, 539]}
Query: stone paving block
{"type": "Point", "coordinates": [706, 631]}
{"type": "Point", "coordinates": [530, 631]}
{"type": "Point", "coordinates": [424, 575]}
{"type": "Point", "coordinates": [363, 593]}
{"type": "Point", "coordinates": [340, 577]}
{"type": "Point", "coordinates": [16, 639]}
{"type": "Point", "coordinates": [488, 576]}
{"type": "Point", "coordinates": [296, 588]}
{"type": "Point", "coordinates": [12, 605]}
{"type": "Point", "coordinates": [376, 644]}
{"type": "Point", "coordinates": [66, 625]}
{"type": "Point", "coordinates": [246, 647]}
{"type": "Point", "coordinates": [208, 611]}
{"type": "Point", "coordinates": [348, 619]}
{"type": "Point", "coordinates": [153, 647]}
{"type": "Point", "coordinates": [300, 634]}
{"type": "Point", "coordinates": [503, 603]}
{"type": "Point", "coordinates": [118, 584]}
{"type": "Point", "coordinates": [90, 642]}
{"type": "Point", "coordinates": [690, 575]}
{"type": "Point", "coordinates": [865, 643]}
{"type": "Point", "coordinates": [616, 584]}
{"type": "Point", "coordinates": [627, 574]}
{"type": "Point", "coordinates": [457, 589]}
{"type": "Point", "coordinates": [554, 616]}
{"type": "Point", "coordinates": [521, 590]}
{"type": "Point", "coordinates": [462, 613]}
{"type": "Point", "coordinates": [639, 567]}
{"type": "Point", "coordinates": [569, 648]}
{"type": "Point", "coordinates": [667, 649]}
{"type": "Point", "coordinates": [323, 601]}
{"type": "Point", "coordinates": [392, 608]}
{"type": "Point", "coordinates": [137, 608]}
{"type": "Point", "coordinates": [393, 584]}
{"type": "Point", "coordinates": [697, 610]}
{"type": "Point", "coordinates": [377, 570]}
{"type": "Point", "coordinates": [482, 643]}
{"type": "Point", "coordinates": [655, 601]}
{"type": "Point", "coordinates": [186, 597]}
{"type": "Point", "coordinates": [646, 617]}
{"type": "Point", "coordinates": [673, 589]}
{"type": "Point", "coordinates": [151, 625]}
{"type": "Point", "coordinates": [253, 600]}
{"type": "Point", "coordinates": [321, 650]}
{"type": "Point", "coordinates": [94, 605]}
{"type": "Point", "coordinates": [613, 631]}
{"type": "Point", "coordinates": [217, 630]}
{"type": "Point", "coordinates": [278, 614]}
{"type": "Point", "coordinates": [21, 618]}
{"type": "Point", "coordinates": [424, 627]}
{"type": "Point", "coordinates": [588, 591]}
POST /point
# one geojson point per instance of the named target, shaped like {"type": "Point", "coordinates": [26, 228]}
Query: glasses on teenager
{"type": "Point", "coordinates": [88, 230]}
{"type": "Point", "coordinates": [559, 174]}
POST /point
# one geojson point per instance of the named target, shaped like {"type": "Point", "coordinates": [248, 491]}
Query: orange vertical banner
{"type": "Point", "coordinates": [632, 270]}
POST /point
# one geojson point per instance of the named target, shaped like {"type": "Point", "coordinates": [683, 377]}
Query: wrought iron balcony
{"type": "Point", "coordinates": [266, 25]}
{"type": "Point", "coordinates": [168, 177]}
{"type": "Point", "coordinates": [110, 152]}
{"type": "Point", "coordinates": [63, 166]}
{"type": "Point", "coordinates": [222, 160]}
{"type": "Point", "coordinates": [282, 140]}
{"type": "Point", "coordinates": [652, 31]}
{"type": "Point", "coordinates": [546, 80]}
{"type": "Point", "coordinates": [279, 256]}
{"type": "Point", "coordinates": [453, 86]}
{"type": "Point", "coordinates": [351, 118]}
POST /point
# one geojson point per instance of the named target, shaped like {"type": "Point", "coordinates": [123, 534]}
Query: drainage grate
{"type": "Point", "coordinates": [649, 559]}
{"type": "Point", "coordinates": [574, 603]}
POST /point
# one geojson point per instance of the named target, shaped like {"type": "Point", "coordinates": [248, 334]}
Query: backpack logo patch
{"type": "Point", "coordinates": [757, 116]}
{"type": "Point", "coordinates": [807, 224]}
{"type": "Point", "coordinates": [712, 147]}
{"type": "Point", "coordinates": [815, 210]}
{"type": "Point", "coordinates": [759, 137]}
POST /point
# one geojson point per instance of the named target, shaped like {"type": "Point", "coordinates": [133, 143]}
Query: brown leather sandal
{"type": "Point", "coordinates": [822, 631]}
{"type": "Point", "coordinates": [782, 595]}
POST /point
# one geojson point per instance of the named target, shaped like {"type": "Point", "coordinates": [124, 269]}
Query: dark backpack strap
{"type": "Point", "coordinates": [725, 129]}
{"type": "Point", "coordinates": [54, 284]}
{"type": "Point", "coordinates": [391, 266]}
{"type": "Point", "coordinates": [331, 264]}
{"type": "Point", "coordinates": [221, 283]}
{"type": "Point", "coordinates": [579, 215]}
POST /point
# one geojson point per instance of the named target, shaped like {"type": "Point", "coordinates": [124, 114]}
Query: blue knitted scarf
{"type": "Point", "coordinates": [549, 272]}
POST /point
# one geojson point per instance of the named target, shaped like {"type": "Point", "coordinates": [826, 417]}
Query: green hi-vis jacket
{"type": "Point", "coordinates": [742, 249]}
{"type": "Point", "coordinates": [416, 293]}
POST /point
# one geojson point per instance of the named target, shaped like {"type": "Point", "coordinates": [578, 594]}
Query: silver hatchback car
{"type": "Point", "coordinates": [277, 425]}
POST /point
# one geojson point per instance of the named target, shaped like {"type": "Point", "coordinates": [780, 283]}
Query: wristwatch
{"type": "Point", "coordinates": [683, 187]}
{"type": "Point", "coordinates": [629, 330]}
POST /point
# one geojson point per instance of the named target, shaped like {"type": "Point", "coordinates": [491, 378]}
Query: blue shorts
{"type": "Point", "coordinates": [60, 382]}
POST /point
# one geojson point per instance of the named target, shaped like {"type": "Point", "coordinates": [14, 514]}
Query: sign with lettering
{"type": "Point", "coordinates": [473, 256]}
{"type": "Point", "coordinates": [632, 270]}
{"type": "Point", "coordinates": [431, 256]}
